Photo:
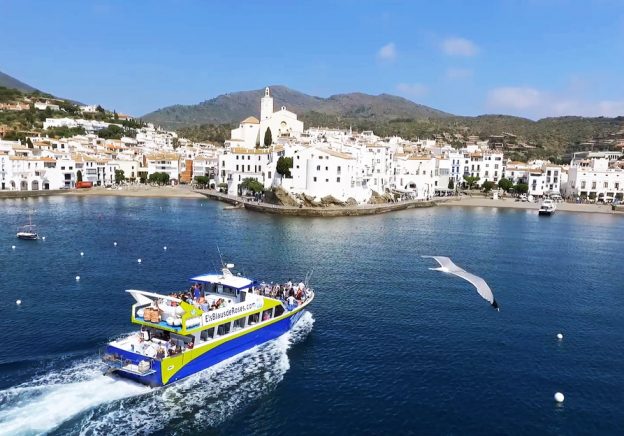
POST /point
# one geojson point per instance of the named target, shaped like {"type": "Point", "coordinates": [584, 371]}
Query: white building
{"type": "Point", "coordinates": [595, 179]}
{"type": "Point", "coordinates": [163, 163]}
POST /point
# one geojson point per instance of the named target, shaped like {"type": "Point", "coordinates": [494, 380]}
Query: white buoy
{"type": "Point", "coordinates": [115, 244]}
{"type": "Point", "coordinates": [77, 278]}
{"type": "Point", "coordinates": [43, 237]}
{"type": "Point", "coordinates": [13, 247]}
{"type": "Point", "coordinates": [18, 302]}
{"type": "Point", "coordinates": [559, 397]}
{"type": "Point", "coordinates": [81, 253]}
{"type": "Point", "coordinates": [165, 248]}
{"type": "Point", "coordinates": [139, 260]}
{"type": "Point", "coordinates": [560, 336]}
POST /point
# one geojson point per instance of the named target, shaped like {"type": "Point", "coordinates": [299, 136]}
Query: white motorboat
{"type": "Point", "coordinates": [547, 207]}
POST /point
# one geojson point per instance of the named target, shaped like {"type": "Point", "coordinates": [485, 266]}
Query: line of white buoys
{"type": "Point", "coordinates": [165, 248]}
{"type": "Point", "coordinates": [43, 237]}
{"type": "Point", "coordinates": [115, 244]}
{"type": "Point", "coordinates": [82, 253]}
{"type": "Point", "coordinates": [18, 302]}
{"type": "Point", "coordinates": [560, 336]}
{"type": "Point", "coordinates": [77, 278]}
{"type": "Point", "coordinates": [139, 260]}
{"type": "Point", "coordinates": [559, 397]}
{"type": "Point", "coordinates": [13, 247]}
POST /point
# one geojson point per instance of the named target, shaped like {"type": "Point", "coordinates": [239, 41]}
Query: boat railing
{"type": "Point", "coordinates": [143, 366]}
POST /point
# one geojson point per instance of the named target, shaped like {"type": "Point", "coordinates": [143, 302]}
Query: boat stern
{"type": "Point", "coordinates": [133, 366]}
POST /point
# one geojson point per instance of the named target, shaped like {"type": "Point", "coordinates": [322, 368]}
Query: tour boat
{"type": "Point", "coordinates": [221, 316]}
{"type": "Point", "coordinates": [547, 207]}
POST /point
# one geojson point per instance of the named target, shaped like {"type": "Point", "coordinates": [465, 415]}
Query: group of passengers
{"type": "Point", "coordinates": [160, 345]}
{"type": "Point", "coordinates": [292, 295]}
{"type": "Point", "coordinates": [196, 296]}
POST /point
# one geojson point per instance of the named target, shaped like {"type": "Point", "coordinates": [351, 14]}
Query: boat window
{"type": "Point", "coordinates": [239, 323]}
{"type": "Point", "coordinates": [207, 335]}
{"type": "Point", "coordinates": [223, 329]}
{"type": "Point", "coordinates": [254, 318]}
{"type": "Point", "coordinates": [279, 310]}
{"type": "Point", "coordinates": [267, 314]}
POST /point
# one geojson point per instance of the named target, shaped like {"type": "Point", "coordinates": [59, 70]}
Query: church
{"type": "Point", "coordinates": [251, 131]}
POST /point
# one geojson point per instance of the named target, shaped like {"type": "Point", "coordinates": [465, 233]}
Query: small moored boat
{"type": "Point", "coordinates": [28, 231]}
{"type": "Point", "coordinates": [220, 316]}
{"type": "Point", "coordinates": [547, 208]}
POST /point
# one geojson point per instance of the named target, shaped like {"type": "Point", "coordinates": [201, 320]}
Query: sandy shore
{"type": "Point", "coordinates": [513, 204]}
{"type": "Point", "coordinates": [180, 191]}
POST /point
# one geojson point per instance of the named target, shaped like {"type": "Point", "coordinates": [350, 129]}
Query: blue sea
{"type": "Point", "coordinates": [388, 346]}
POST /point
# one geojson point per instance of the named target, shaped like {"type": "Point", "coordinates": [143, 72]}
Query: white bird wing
{"type": "Point", "coordinates": [447, 265]}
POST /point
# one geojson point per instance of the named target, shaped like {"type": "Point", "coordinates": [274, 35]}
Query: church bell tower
{"type": "Point", "coordinates": [266, 105]}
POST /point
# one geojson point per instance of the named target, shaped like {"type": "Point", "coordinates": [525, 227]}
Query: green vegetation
{"type": "Point", "coordinates": [119, 176]}
{"type": "Point", "coordinates": [471, 181]}
{"type": "Point", "coordinates": [252, 185]}
{"type": "Point", "coordinates": [268, 137]}
{"type": "Point", "coordinates": [214, 133]}
{"type": "Point", "coordinates": [64, 132]}
{"type": "Point", "coordinates": [202, 181]}
{"type": "Point", "coordinates": [505, 184]}
{"type": "Point", "coordinates": [487, 186]}
{"type": "Point", "coordinates": [283, 166]}
{"type": "Point", "coordinates": [521, 188]}
{"type": "Point", "coordinates": [158, 179]}
{"type": "Point", "coordinates": [116, 132]}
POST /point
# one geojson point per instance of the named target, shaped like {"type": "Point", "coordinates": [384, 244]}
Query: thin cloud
{"type": "Point", "coordinates": [388, 52]}
{"type": "Point", "coordinates": [458, 73]}
{"type": "Point", "coordinates": [412, 89]}
{"type": "Point", "coordinates": [455, 46]}
{"type": "Point", "coordinates": [534, 103]}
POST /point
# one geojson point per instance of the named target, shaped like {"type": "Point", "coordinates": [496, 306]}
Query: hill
{"type": "Point", "coordinates": [233, 107]}
{"type": "Point", "coordinates": [11, 82]}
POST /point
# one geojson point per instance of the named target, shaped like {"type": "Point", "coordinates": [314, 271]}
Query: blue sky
{"type": "Point", "coordinates": [532, 58]}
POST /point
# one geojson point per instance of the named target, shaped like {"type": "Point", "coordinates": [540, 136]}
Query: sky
{"type": "Point", "coordinates": [531, 58]}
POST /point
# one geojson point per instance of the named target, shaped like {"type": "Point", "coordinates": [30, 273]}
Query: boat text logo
{"type": "Point", "coordinates": [214, 316]}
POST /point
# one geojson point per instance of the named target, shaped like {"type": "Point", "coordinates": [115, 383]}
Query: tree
{"type": "Point", "coordinates": [252, 185]}
{"type": "Point", "coordinates": [202, 181]}
{"type": "Point", "coordinates": [505, 184]}
{"type": "Point", "coordinates": [521, 188]}
{"type": "Point", "coordinates": [79, 176]}
{"type": "Point", "coordinates": [268, 137]}
{"type": "Point", "coordinates": [115, 116]}
{"type": "Point", "coordinates": [451, 184]}
{"type": "Point", "coordinates": [119, 176]}
{"type": "Point", "coordinates": [284, 164]}
{"type": "Point", "coordinates": [471, 180]}
{"type": "Point", "coordinates": [487, 186]}
{"type": "Point", "coordinates": [100, 109]}
{"type": "Point", "coordinates": [158, 178]}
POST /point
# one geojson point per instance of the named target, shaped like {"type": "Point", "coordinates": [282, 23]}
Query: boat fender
{"type": "Point", "coordinates": [177, 322]}
{"type": "Point", "coordinates": [170, 320]}
{"type": "Point", "coordinates": [140, 313]}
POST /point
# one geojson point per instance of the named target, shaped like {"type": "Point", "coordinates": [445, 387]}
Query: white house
{"type": "Point", "coordinates": [595, 179]}
{"type": "Point", "coordinates": [163, 163]}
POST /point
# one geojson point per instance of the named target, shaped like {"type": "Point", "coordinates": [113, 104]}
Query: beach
{"type": "Point", "coordinates": [179, 191]}
{"type": "Point", "coordinates": [511, 203]}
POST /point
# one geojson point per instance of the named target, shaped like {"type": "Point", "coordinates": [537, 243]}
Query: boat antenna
{"type": "Point", "coordinates": [220, 256]}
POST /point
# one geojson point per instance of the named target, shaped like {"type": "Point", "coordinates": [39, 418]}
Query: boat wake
{"type": "Point", "coordinates": [79, 399]}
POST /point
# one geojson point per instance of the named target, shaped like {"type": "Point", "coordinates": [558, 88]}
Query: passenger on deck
{"type": "Point", "coordinates": [196, 292]}
{"type": "Point", "coordinates": [291, 303]}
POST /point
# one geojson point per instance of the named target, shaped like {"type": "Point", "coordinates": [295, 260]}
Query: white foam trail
{"type": "Point", "coordinates": [39, 407]}
{"type": "Point", "coordinates": [121, 407]}
{"type": "Point", "coordinates": [204, 399]}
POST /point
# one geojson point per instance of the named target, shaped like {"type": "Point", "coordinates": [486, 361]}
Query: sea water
{"type": "Point", "coordinates": [388, 347]}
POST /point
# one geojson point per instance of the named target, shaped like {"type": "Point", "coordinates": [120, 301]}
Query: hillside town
{"type": "Point", "coordinates": [277, 151]}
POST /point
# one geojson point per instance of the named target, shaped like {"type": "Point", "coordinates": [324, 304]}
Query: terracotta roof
{"type": "Point", "coordinates": [250, 120]}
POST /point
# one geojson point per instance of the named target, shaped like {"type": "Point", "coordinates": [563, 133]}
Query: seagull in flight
{"type": "Point", "coordinates": [447, 266]}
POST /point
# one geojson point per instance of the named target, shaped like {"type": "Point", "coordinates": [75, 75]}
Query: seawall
{"type": "Point", "coordinates": [23, 194]}
{"type": "Point", "coordinates": [332, 211]}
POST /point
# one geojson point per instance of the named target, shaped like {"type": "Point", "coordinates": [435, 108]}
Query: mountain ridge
{"type": "Point", "coordinates": [235, 106]}
{"type": "Point", "coordinates": [13, 83]}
